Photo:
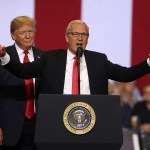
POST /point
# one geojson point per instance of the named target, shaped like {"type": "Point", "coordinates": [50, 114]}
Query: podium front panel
{"type": "Point", "coordinates": [51, 131]}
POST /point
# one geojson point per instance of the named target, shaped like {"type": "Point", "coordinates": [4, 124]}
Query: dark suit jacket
{"type": "Point", "coordinates": [13, 100]}
{"type": "Point", "coordinates": [51, 67]}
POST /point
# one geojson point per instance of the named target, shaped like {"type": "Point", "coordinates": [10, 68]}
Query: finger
{"type": "Point", "coordinates": [2, 47]}
{"type": "Point", "coordinates": [2, 51]}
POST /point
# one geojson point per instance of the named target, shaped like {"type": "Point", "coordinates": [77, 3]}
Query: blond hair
{"type": "Point", "coordinates": [76, 22]}
{"type": "Point", "coordinates": [21, 21]}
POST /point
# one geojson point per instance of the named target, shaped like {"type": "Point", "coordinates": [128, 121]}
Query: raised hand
{"type": "Point", "coordinates": [2, 51]}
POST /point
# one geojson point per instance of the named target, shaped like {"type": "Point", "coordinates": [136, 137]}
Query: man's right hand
{"type": "Point", "coordinates": [1, 136]}
{"type": "Point", "coordinates": [2, 51]}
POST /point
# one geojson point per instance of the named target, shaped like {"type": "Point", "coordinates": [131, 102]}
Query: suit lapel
{"type": "Point", "coordinates": [35, 53]}
{"type": "Point", "coordinates": [61, 71]}
{"type": "Point", "coordinates": [90, 68]}
{"type": "Point", "coordinates": [13, 53]}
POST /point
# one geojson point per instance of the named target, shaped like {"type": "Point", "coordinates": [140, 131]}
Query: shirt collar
{"type": "Point", "coordinates": [20, 51]}
{"type": "Point", "coordinates": [71, 56]}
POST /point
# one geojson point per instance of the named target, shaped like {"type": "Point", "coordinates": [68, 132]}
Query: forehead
{"type": "Point", "coordinates": [25, 27]}
{"type": "Point", "coordinates": [79, 27]}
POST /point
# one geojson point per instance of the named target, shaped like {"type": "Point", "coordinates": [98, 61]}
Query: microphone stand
{"type": "Point", "coordinates": [79, 53]}
{"type": "Point", "coordinates": [78, 74]}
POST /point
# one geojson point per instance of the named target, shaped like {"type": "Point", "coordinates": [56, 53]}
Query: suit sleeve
{"type": "Point", "coordinates": [28, 70]}
{"type": "Point", "coordinates": [124, 74]}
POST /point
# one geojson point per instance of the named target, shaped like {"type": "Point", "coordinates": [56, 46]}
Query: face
{"type": "Point", "coordinates": [129, 87]}
{"type": "Point", "coordinates": [24, 37]}
{"type": "Point", "coordinates": [115, 91]}
{"type": "Point", "coordinates": [77, 37]}
{"type": "Point", "coordinates": [146, 93]}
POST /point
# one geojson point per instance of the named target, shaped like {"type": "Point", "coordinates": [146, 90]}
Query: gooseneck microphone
{"type": "Point", "coordinates": [79, 54]}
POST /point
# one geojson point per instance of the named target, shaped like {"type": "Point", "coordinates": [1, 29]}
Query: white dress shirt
{"type": "Point", "coordinates": [84, 78]}
{"type": "Point", "coordinates": [21, 54]}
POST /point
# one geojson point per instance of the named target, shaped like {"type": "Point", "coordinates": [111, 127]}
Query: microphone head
{"type": "Point", "coordinates": [79, 52]}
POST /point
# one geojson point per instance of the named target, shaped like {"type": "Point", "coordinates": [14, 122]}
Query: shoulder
{"type": "Point", "coordinates": [94, 53]}
{"type": "Point", "coordinates": [10, 48]}
{"type": "Point", "coordinates": [138, 108]}
{"type": "Point", "coordinates": [140, 105]}
{"type": "Point", "coordinates": [37, 50]}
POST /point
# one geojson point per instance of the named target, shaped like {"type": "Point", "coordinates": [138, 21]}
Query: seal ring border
{"type": "Point", "coordinates": [79, 131]}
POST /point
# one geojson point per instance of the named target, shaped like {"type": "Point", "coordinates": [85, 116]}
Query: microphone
{"type": "Point", "coordinates": [79, 52]}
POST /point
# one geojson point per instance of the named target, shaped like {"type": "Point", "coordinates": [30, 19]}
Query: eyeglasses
{"type": "Point", "coordinates": [23, 33]}
{"type": "Point", "coordinates": [76, 34]}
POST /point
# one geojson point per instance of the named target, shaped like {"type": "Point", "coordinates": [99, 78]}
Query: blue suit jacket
{"type": "Point", "coordinates": [13, 100]}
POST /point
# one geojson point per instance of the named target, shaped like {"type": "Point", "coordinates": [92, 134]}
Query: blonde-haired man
{"type": "Point", "coordinates": [16, 129]}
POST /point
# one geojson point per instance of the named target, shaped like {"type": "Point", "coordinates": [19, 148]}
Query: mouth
{"type": "Point", "coordinates": [28, 42]}
{"type": "Point", "coordinates": [79, 44]}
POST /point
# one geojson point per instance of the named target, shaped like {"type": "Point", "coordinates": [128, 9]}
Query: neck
{"type": "Point", "coordinates": [72, 52]}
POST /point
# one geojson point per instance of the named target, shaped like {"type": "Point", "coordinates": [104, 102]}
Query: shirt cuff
{"type": "Point", "coordinates": [5, 60]}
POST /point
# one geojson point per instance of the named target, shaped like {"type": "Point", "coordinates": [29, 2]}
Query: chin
{"type": "Point", "coordinates": [29, 45]}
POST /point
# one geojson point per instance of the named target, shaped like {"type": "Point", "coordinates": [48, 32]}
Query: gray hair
{"type": "Point", "coordinates": [76, 22]}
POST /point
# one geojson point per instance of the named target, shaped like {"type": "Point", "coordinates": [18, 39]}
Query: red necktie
{"type": "Point", "coordinates": [75, 76]}
{"type": "Point", "coordinates": [30, 92]}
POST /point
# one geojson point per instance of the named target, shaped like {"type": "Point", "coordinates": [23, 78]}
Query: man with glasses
{"type": "Point", "coordinates": [58, 70]}
{"type": "Point", "coordinates": [18, 97]}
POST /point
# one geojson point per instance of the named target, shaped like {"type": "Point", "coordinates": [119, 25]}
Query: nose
{"type": "Point", "coordinates": [79, 37]}
{"type": "Point", "coordinates": [27, 35]}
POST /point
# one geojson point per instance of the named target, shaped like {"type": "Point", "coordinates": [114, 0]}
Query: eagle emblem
{"type": "Point", "coordinates": [79, 118]}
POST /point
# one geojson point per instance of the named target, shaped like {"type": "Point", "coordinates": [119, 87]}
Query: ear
{"type": "Point", "coordinates": [13, 36]}
{"type": "Point", "coordinates": [66, 39]}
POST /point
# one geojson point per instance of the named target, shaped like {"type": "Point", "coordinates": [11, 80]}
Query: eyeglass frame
{"type": "Point", "coordinates": [83, 34]}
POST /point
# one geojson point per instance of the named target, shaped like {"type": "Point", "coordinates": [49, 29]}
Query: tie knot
{"type": "Point", "coordinates": [26, 59]}
{"type": "Point", "coordinates": [75, 57]}
{"type": "Point", "coordinates": [26, 52]}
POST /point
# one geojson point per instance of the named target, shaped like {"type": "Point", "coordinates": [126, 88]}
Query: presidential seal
{"type": "Point", "coordinates": [79, 118]}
